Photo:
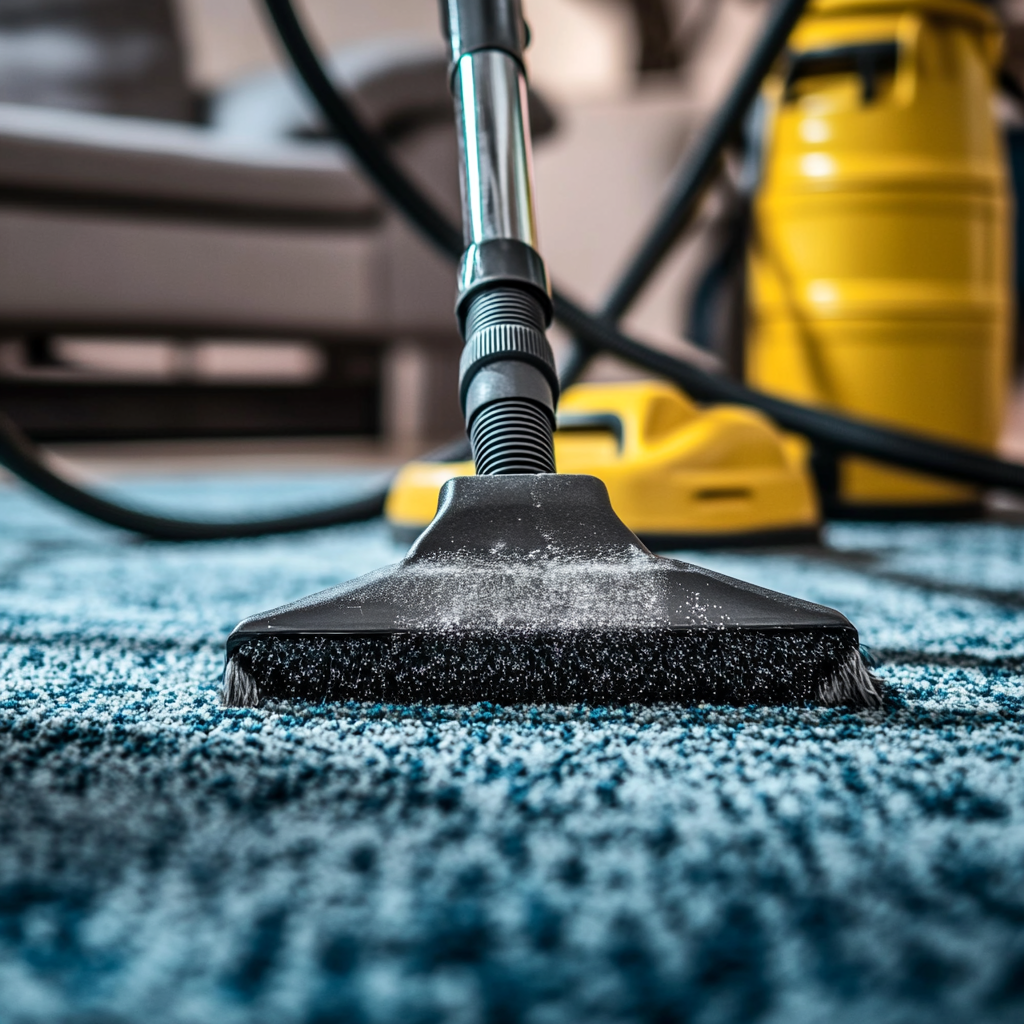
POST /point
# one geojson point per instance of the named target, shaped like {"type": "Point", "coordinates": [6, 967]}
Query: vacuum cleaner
{"type": "Point", "coordinates": [724, 620]}
{"type": "Point", "coordinates": [833, 435]}
{"type": "Point", "coordinates": [880, 260]}
{"type": "Point", "coordinates": [527, 587]}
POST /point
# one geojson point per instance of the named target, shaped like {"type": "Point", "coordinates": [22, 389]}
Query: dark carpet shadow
{"type": "Point", "coordinates": [867, 563]}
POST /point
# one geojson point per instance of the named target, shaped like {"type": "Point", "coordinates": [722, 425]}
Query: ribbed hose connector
{"type": "Point", "coordinates": [505, 323]}
{"type": "Point", "coordinates": [508, 383]}
{"type": "Point", "coordinates": [512, 436]}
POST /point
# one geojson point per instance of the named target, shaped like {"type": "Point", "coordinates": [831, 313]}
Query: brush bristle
{"type": "Point", "coordinates": [852, 683]}
{"type": "Point", "coordinates": [238, 688]}
{"type": "Point", "coordinates": [593, 666]}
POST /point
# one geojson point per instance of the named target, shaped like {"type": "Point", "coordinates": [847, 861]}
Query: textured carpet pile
{"type": "Point", "coordinates": [163, 859]}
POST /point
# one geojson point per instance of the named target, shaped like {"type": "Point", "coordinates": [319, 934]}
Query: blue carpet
{"type": "Point", "coordinates": [165, 860]}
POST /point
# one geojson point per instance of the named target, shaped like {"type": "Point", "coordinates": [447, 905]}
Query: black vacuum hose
{"type": "Point", "coordinates": [838, 433]}
{"type": "Point", "coordinates": [22, 457]}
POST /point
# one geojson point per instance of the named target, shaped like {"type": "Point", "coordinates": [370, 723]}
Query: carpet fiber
{"type": "Point", "coordinates": [163, 859]}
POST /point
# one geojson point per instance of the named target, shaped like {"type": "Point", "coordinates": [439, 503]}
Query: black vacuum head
{"type": "Point", "coordinates": [529, 589]}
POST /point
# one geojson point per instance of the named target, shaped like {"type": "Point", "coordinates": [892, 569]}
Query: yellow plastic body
{"type": "Point", "coordinates": [675, 473]}
{"type": "Point", "coordinates": [879, 264]}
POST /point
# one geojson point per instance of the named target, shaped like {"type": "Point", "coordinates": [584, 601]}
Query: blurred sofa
{"type": "Point", "coordinates": [250, 227]}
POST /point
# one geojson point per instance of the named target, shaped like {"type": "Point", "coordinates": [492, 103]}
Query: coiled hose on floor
{"type": "Point", "coordinates": [838, 434]}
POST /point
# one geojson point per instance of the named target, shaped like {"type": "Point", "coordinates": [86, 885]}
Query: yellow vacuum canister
{"type": "Point", "coordinates": [879, 263]}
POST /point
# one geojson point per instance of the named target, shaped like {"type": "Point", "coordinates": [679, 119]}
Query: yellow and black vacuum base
{"type": "Point", "coordinates": [678, 475]}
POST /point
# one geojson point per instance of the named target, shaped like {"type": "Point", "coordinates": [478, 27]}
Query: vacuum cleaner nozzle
{"type": "Point", "coordinates": [529, 589]}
